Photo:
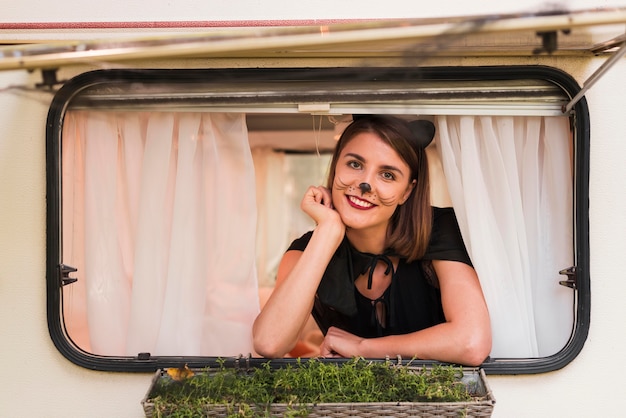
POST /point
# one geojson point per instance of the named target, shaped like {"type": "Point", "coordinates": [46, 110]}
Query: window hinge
{"type": "Point", "coordinates": [570, 272]}
{"type": "Point", "coordinates": [65, 274]}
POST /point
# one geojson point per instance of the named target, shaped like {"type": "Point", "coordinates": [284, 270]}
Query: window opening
{"type": "Point", "coordinates": [495, 164]}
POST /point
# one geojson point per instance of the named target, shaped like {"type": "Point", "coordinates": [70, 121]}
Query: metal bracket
{"type": "Point", "coordinates": [65, 274]}
{"type": "Point", "coordinates": [548, 42]}
{"type": "Point", "coordinates": [596, 76]}
{"type": "Point", "coordinates": [571, 281]}
{"type": "Point", "coordinates": [238, 362]}
{"type": "Point", "coordinates": [49, 78]}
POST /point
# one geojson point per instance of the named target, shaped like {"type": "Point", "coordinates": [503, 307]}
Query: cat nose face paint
{"type": "Point", "coordinates": [365, 188]}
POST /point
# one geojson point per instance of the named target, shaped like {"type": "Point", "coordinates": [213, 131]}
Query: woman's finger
{"type": "Point", "coordinates": [326, 197]}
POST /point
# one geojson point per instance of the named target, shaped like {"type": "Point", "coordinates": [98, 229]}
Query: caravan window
{"type": "Point", "coordinates": [172, 195]}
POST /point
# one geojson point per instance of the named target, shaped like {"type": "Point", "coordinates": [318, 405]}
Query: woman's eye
{"type": "Point", "coordinates": [388, 176]}
{"type": "Point", "coordinates": [354, 164]}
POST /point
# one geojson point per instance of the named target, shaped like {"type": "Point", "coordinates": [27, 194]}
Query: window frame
{"type": "Point", "coordinates": [70, 91]}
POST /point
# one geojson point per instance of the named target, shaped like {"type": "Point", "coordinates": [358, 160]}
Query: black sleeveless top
{"type": "Point", "coordinates": [411, 302]}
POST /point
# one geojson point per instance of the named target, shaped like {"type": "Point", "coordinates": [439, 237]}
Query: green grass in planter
{"type": "Point", "coordinates": [308, 382]}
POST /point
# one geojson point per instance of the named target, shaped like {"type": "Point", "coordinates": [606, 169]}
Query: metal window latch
{"type": "Point", "coordinates": [65, 274]}
{"type": "Point", "coordinates": [570, 272]}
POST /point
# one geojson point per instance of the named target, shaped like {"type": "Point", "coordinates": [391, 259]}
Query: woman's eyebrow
{"type": "Point", "coordinates": [353, 155]}
{"type": "Point", "coordinates": [384, 167]}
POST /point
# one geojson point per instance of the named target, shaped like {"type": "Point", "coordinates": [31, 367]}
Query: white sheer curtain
{"type": "Point", "coordinates": [281, 180]}
{"type": "Point", "coordinates": [159, 217]}
{"type": "Point", "coordinates": [273, 212]}
{"type": "Point", "coordinates": [510, 180]}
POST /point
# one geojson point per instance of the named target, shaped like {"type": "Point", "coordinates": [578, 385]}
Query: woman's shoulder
{"type": "Point", "coordinates": [299, 244]}
{"type": "Point", "coordinates": [443, 211]}
{"type": "Point", "coordinates": [446, 242]}
{"type": "Point", "coordinates": [444, 219]}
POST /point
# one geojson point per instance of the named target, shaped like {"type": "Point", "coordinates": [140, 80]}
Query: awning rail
{"type": "Point", "coordinates": [246, 42]}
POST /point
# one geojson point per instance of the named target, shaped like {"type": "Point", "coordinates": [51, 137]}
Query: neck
{"type": "Point", "coordinates": [368, 241]}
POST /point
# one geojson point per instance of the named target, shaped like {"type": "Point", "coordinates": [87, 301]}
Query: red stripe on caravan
{"type": "Point", "coordinates": [172, 24]}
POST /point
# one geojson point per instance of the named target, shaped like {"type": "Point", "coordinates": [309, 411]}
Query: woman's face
{"type": "Point", "coordinates": [368, 159]}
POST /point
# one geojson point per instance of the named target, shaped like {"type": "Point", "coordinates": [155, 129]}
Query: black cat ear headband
{"type": "Point", "coordinates": [423, 131]}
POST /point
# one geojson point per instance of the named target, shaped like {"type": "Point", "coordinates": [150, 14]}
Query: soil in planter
{"type": "Point", "coordinates": [250, 393]}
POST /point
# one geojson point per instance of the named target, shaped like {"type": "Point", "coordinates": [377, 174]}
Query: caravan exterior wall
{"type": "Point", "coordinates": [38, 381]}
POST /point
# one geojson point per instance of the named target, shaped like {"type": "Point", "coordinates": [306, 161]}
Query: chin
{"type": "Point", "coordinates": [352, 223]}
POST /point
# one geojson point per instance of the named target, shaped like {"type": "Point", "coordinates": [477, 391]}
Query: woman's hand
{"type": "Point", "coordinates": [317, 203]}
{"type": "Point", "coordinates": [465, 337]}
{"type": "Point", "coordinates": [340, 343]}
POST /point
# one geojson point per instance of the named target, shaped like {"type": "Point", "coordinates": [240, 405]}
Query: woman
{"type": "Point", "coordinates": [383, 272]}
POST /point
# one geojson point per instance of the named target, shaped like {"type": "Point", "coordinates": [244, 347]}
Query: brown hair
{"type": "Point", "coordinates": [410, 225]}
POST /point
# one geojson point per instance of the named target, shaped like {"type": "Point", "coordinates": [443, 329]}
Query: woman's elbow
{"type": "Point", "coordinates": [268, 346]}
{"type": "Point", "coordinates": [477, 348]}
{"type": "Point", "coordinates": [268, 350]}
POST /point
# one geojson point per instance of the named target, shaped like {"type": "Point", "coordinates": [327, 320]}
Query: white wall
{"type": "Point", "coordinates": [591, 385]}
{"type": "Point", "coordinates": [38, 382]}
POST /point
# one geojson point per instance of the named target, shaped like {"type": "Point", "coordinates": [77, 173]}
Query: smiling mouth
{"type": "Point", "coordinates": [359, 203]}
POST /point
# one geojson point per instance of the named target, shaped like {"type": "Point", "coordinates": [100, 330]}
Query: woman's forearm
{"type": "Point", "coordinates": [445, 342]}
{"type": "Point", "coordinates": [277, 327]}
{"type": "Point", "coordinates": [465, 337]}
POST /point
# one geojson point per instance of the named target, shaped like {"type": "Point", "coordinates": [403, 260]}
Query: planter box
{"type": "Point", "coordinates": [481, 404]}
